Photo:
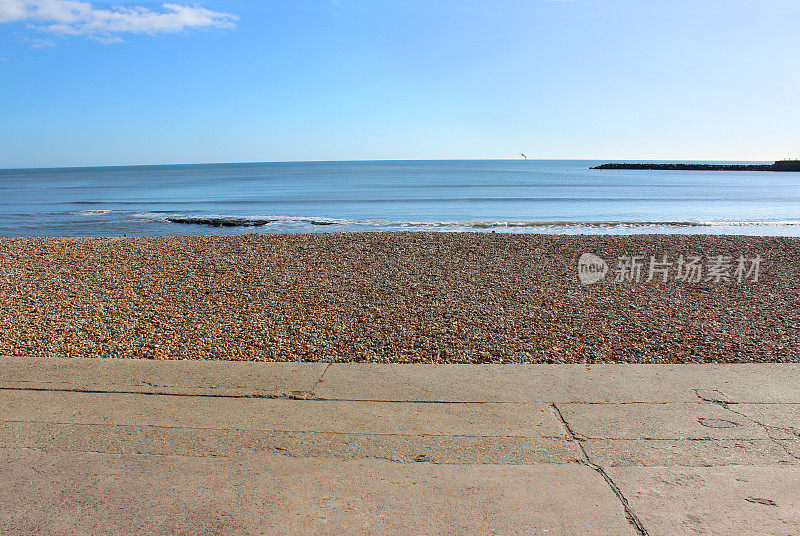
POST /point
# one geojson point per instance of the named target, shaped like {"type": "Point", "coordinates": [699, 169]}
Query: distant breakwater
{"type": "Point", "coordinates": [780, 165]}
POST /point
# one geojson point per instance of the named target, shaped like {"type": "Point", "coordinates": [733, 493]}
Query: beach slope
{"type": "Point", "coordinates": [398, 297]}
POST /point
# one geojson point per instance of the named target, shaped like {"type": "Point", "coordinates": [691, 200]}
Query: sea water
{"type": "Point", "coordinates": [517, 196]}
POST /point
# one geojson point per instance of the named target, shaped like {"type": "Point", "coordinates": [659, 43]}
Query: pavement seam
{"type": "Point", "coordinates": [280, 431]}
{"type": "Point", "coordinates": [279, 451]}
{"type": "Point", "coordinates": [289, 395]}
{"type": "Point", "coordinates": [127, 454]}
{"type": "Point", "coordinates": [295, 394]}
{"type": "Point", "coordinates": [690, 439]}
{"type": "Point", "coordinates": [265, 394]}
{"type": "Point", "coordinates": [629, 514]}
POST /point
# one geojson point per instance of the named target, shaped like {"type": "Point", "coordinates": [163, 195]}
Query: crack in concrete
{"type": "Point", "coordinates": [311, 395]}
{"type": "Point", "coordinates": [712, 395]}
{"type": "Point", "coordinates": [319, 380]}
{"type": "Point", "coordinates": [291, 395]}
{"type": "Point", "coordinates": [569, 432]}
{"type": "Point", "coordinates": [768, 428]}
{"type": "Point", "coordinates": [578, 440]}
{"type": "Point", "coordinates": [266, 394]}
{"type": "Point", "coordinates": [301, 395]}
{"type": "Point", "coordinates": [632, 519]}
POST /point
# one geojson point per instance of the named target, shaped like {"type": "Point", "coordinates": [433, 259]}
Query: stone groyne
{"type": "Point", "coordinates": [780, 165]}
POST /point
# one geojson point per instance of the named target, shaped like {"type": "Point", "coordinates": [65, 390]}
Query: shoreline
{"type": "Point", "coordinates": [410, 297]}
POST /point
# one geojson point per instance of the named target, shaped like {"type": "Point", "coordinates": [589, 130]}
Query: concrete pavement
{"type": "Point", "coordinates": [187, 447]}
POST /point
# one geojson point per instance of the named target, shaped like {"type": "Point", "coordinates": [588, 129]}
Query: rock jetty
{"type": "Point", "coordinates": [780, 165]}
{"type": "Point", "coordinates": [221, 222]}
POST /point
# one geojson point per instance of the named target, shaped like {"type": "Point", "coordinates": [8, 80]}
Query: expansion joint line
{"type": "Point", "coordinates": [629, 515]}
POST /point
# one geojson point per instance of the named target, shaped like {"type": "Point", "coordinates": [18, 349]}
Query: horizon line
{"type": "Point", "coordinates": [610, 160]}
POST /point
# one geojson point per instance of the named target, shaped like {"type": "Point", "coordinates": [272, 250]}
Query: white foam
{"type": "Point", "coordinates": [90, 212]}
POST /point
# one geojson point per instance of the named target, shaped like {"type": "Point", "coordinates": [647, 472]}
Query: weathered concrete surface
{"type": "Point", "coordinates": [702, 453]}
{"type": "Point", "coordinates": [143, 423]}
{"type": "Point", "coordinates": [754, 383]}
{"type": "Point", "coordinates": [773, 382]}
{"type": "Point", "coordinates": [779, 421]}
{"type": "Point", "coordinates": [84, 493]}
{"type": "Point", "coordinates": [688, 433]}
{"type": "Point", "coordinates": [124, 447]}
{"type": "Point", "coordinates": [503, 420]}
{"type": "Point", "coordinates": [212, 378]}
{"type": "Point", "coordinates": [407, 447]}
{"type": "Point", "coordinates": [659, 421]}
{"type": "Point", "coordinates": [714, 501]}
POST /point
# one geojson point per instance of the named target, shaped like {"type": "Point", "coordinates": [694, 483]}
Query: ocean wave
{"type": "Point", "coordinates": [89, 212]}
{"type": "Point", "coordinates": [218, 220]}
{"type": "Point", "coordinates": [779, 223]}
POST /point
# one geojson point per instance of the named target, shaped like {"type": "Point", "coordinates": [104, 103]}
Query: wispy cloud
{"type": "Point", "coordinates": [70, 17]}
{"type": "Point", "coordinates": [36, 42]}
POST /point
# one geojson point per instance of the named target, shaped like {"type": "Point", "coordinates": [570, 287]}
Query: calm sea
{"type": "Point", "coordinates": [516, 196]}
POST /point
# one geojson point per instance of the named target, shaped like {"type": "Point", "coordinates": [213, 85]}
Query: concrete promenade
{"type": "Point", "coordinates": [199, 448]}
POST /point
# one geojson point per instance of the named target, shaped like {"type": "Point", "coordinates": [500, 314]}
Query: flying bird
{"type": "Point", "coordinates": [523, 156]}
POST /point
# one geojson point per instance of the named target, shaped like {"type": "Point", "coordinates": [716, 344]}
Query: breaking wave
{"type": "Point", "coordinates": [89, 212]}
{"type": "Point", "coordinates": [218, 220]}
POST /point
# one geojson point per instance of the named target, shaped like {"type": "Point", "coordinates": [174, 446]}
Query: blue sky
{"type": "Point", "coordinates": [85, 83]}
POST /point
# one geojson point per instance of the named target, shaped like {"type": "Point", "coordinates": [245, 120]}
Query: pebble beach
{"type": "Point", "coordinates": [392, 297]}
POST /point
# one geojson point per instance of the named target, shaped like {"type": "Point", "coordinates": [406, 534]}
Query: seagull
{"type": "Point", "coordinates": [523, 156]}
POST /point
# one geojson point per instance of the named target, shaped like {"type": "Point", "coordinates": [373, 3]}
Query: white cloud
{"type": "Point", "coordinates": [71, 17]}
{"type": "Point", "coordinates": [35, 42]}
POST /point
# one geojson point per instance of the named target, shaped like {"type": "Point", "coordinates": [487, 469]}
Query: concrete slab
{"type": "Point", "coordinates": [71, 494]}
{"type": "Point", "coordinates": [493, 420]}
{"type": "Point", "coordinates": [406, 447]}
{"type": "Point", "coordinates": [659, 421]}
{"type": "Point", "coordinates": [715, 501]}
{"type": "Point", "coordinates": [127, 447]}
{"type": "Point", "coordinates": [232, 378]}
{"type": "Point", "coordinates": [691, 453]}
{"type": "Point", "coordinates": [773, 382]}
{"type": "Point", "coordinates": [780, 421]}
{"type": "Point", "coordinates": [754, 383]}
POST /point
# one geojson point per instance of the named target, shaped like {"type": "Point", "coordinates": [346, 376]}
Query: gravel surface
{"type": "Point", "coordinates": [391, 297]}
